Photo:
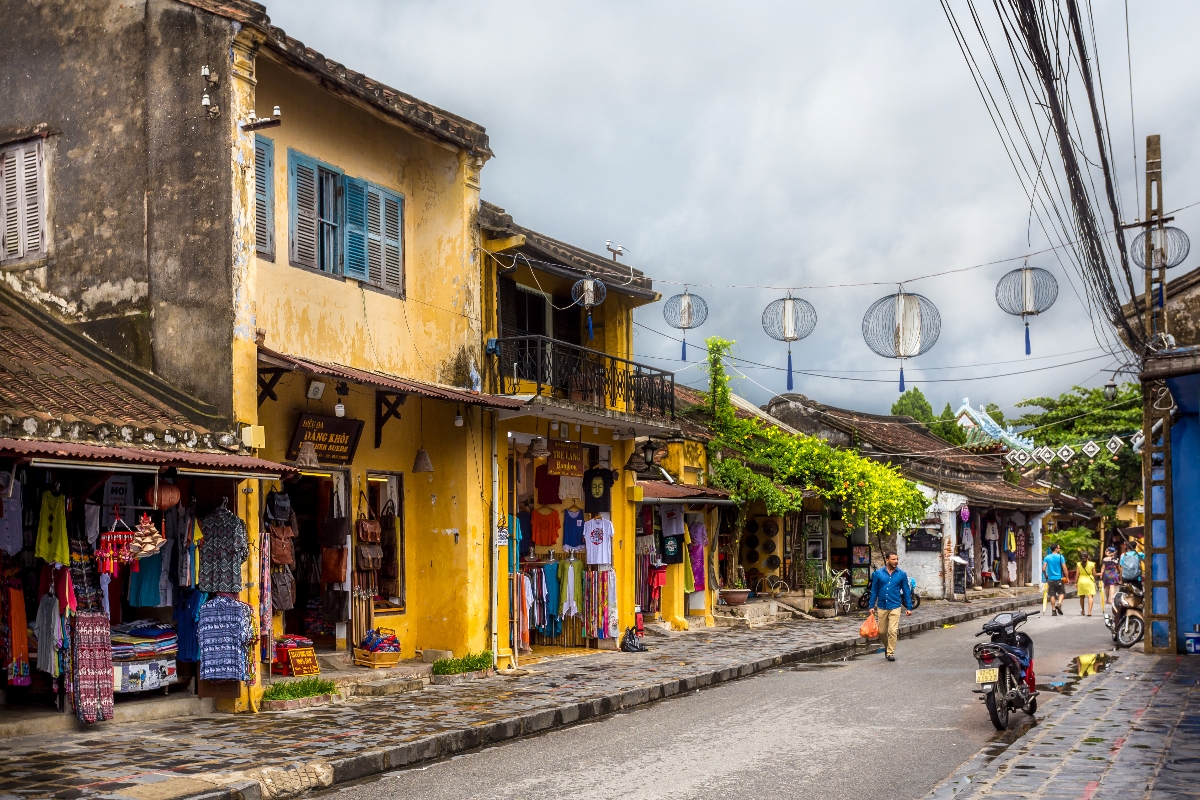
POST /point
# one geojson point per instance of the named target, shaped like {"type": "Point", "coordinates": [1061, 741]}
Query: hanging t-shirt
{"type": "Point", "coordinates": [672, 520]}
{"type": "Point", "coordinates": [672, 549]}
{"type": "Point", "coordinates": [547, 486]}
{"type": "Point", "coordinates": [525, 518]}
{"type": "Point", "coordinates": [11, 535]}
{"type": "Point", "coordinates": [573, 530]}
{"type": "Point", "coordinates": [597, 490]}
{"type": "Point", "coordinates": [569, 486]}
{"type": "Point", "coordinates": [546, 526]}
{"type": "Point", "coordinates": [598, 536]}
{"type": "Point", "coordinates": [52, 544]}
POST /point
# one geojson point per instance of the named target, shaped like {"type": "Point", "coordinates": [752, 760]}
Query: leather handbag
{"type": "Point", "coordinates": [389, 588]}
{"type": "Point", "coordinates": [391, 569]}
{"type": "Point", "coordinates": [282, 551]}
{"type": "Point", "coordinates": [333, 564]}
{"type": "Point", "coordinates": [369, 557]}
{"type": "Point", "coordinates": [283, 590]}
{"type": "Point", "coordinates": [334, 529]}
{"type": "Point", "coordinates": [335, 605]}
{"type": "Point", "coordinates": [367, 527]}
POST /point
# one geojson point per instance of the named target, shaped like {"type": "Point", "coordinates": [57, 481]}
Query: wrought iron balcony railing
{"type": "Point", "coordinates": [545, 366]}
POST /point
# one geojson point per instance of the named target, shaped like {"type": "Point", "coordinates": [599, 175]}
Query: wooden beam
{"type": "Point", "coordinates": [267, 380]}
{"type": "Point", "coordinates": [497, 245]}
{"type": "Point", "coordinates": [387, 406]}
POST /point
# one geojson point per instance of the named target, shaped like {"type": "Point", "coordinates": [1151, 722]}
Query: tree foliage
{"type": "Point", "coordinates": [947, 427]}
{"type": "Point", "coordinates": [775, 467]}
{"type": "Point", "coordinates": [913, 404]}
{"type": "Point", "coordinates": [1083, 415]}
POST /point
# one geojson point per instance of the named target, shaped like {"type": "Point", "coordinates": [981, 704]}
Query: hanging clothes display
{"type": "Point", "coordinates": [573, 523]}
{"type": "Point", "coordinates": [546, 527]}
{"type": "Point", "coordinates": [223, 550]}
{"type": "Point", "coordinates": [600, 603]}
{"type": "Point", "coordinates": [51, 544]}
{"type": "Point", "coordinates": [598, 538]}
{"type": "Point", "coordinates": [570, 578]}
{"type": "Point", "coordinates": [12, 534]}
{"type": "Point", "coordinates": [226, 637]}
{"type": "Point", "coordinates": [699, 534]}
{"type": "Point", "coordinates": [15, 641]}
{"type": "Point", "coordinates": [93, 664]}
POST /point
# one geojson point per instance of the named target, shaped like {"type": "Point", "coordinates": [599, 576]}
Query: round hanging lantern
{"type": "Point", "coordinates": [1171, 247]}
{"type": "Point", "coordinates": [684, 312]}
{"type": "Point", "coordinates": [901, 325]}
{"type": "Point", "coordinates": [789, 319]}
{"type": "Point", "coordinates": [1026, 292]}
{"type": "Point", "coordinates": [588, 292]}
{"type": "Point", "coordinates": [168, 496]}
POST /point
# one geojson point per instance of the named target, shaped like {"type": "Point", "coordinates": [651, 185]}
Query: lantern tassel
{"type": "Point", "coordinates": [589, 325]}
{"type": "Point", "coordinates": [901, 379]}
{"type": "Point", "coordinates": [789, 369]}
{"type": "Point", "coordinates": [1027, 348]}
{"type": "Point", "coordinates": [685, 348]}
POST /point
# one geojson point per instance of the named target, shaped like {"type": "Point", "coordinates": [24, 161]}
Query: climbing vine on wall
{"type": "Point", "coordinates": [775, 467]}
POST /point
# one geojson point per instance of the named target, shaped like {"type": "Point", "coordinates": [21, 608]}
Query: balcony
{"type": "Point", "coordinates": [541, 366]}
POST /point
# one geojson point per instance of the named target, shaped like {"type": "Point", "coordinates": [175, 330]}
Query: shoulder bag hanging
{"type": "Point", "coordinates": [335, 527]}
{"type": "Point", "coordinates": [367, 526]}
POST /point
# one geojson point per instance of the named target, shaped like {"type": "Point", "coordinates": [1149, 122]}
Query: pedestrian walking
{"type": "Point", "coordinates": [1085, 583]}
{"type": "Point", "coordinates": [1054, 570]}
{"type": "Point", "coordinates": [1110, 575]}
{"type": "Point", "coordinates": [889, 591]}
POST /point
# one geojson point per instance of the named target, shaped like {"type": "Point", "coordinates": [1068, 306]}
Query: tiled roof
{"type": "Point", "coordinates": [566, 260]}
{"type": "Point", "coordinates": [194, 459]}
{"type": "Point", "coordinates": [382, 380]}
{"type": "Point", "coordinates": [420, 115]}
{"type": "Point", "coordinates": [58, 385]}
{"type": "Point", "coordinates": [1000, 493]}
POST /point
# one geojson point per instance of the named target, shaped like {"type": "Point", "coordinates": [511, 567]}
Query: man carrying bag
{"type": "Point", "coordinates": [889, 591]}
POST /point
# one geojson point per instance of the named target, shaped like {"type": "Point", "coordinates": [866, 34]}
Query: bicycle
{"type": "Point", "coordinates": [842, 601]}
{"type": "Point", "coordinates": [775, 586]}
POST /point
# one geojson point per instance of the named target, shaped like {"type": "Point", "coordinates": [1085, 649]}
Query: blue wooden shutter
{"type": "Point", "coordinates": [302, 209]}
{"type": "Point", "coordinates": [264, 197]}
{"type": "Point", "coordinates": [392, 215]}
{"type": "Point", "coordinates": [356, 229]}
{"type": "Point", "coordinates": [374, 236]}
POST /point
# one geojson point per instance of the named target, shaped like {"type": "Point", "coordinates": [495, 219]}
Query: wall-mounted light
{"type": "Point", "coordinates": [212, 109]}
{"type": "Point", "coordinates": [342, 390]}
{"type": "Point", "coordinates": [595, 430]}
{"type": "Point", "coordinates": [458, 419]}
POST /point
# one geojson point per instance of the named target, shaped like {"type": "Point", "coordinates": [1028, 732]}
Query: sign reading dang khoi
{"type": "Point", "coordinates": [333, 438]}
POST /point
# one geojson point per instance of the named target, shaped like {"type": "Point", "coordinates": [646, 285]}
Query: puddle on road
{"type": "Point", "coordinates": [1081, 666]}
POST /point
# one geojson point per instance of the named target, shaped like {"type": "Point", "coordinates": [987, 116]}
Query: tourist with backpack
{"type": "Point", "coordinates": [1131, 563]}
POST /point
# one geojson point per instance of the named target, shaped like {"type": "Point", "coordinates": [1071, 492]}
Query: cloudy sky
{"type": "Point", "coordinates": [780, 144]}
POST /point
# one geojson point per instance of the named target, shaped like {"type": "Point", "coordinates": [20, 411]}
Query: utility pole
{"type": "Point", "coordinates": [1154, 320]}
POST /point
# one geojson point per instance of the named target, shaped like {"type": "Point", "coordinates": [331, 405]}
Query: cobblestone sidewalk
{"type": "Point", "coordinates": [1127, 733]}
{"type": "Point", "coordinates": [283, 754]}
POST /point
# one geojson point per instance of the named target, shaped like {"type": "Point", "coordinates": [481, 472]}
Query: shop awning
{"type": "Point", "coordinates": [89, 456]}
{"type": "Point", "coordinates": [659, 492]}
{"type": "Point", "coordinates": [268, 359]}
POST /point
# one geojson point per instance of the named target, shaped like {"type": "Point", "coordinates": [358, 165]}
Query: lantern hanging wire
{"type": "Point", "coordinates": [789, 319]}
{"type": "Point", "coordinates": [1025, 293]}
{"type": "Point", "coordinates": [588, 292]}
{"type": "Point", "coordinates": [901, 326]}
{"type": "Point", "coordinates": [1171, 247]}
{"type": "Point", "coordinates": [684, 312]}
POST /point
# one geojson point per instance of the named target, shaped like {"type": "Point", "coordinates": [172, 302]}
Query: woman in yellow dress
{"type": "Point", "coordinates": [1085, 584]}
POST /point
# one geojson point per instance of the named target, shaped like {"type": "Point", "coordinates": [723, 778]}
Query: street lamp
{"type": "Point", "coordinates": [1110, 389]}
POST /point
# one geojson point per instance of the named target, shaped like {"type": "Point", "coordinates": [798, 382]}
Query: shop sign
{"type": "Point", "coordinates": [303, 661]}
{"type": "Point", "coordinates": [333, 438]}
{"type": "Point", "coordinates": [566, 459]}
{"type": "Point", "coordinates": [118, 497]}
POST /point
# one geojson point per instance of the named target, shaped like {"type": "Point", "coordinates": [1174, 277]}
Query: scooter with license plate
{"type": "Point", "coordinates": [1005, 674]}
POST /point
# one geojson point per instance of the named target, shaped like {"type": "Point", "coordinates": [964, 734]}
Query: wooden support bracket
{"type": "Point", "coordinates": [268, 378]}
{"type": "Point", "coordinates": [387, 406]}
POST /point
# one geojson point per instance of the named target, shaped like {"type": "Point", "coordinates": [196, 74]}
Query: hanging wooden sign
{"type": "Point", "coordinates": [333, 438]}
{"type": "Point", "coordinates": [303, 661]}
{"type": "Point", "coordinates": [566, 459]}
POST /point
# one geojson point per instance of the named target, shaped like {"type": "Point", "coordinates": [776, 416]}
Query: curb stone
{"type": "Point", "coordinates": [377, 761]}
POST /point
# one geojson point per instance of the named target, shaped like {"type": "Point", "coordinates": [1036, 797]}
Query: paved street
{"type": "Point", "coordinates": [854, 728]}
{"type": "Point", "coordinates": [287, 752]}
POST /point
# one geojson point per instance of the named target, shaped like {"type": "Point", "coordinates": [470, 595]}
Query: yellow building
{"type": "Point", "coordinates": [560, 340]}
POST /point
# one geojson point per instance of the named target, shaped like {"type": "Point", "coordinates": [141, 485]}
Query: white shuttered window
{"type": "Point", "coordinates": [22, 202]}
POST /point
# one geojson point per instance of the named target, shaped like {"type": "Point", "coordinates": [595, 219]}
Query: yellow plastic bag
{"type": "Point", "coordinates": [869, 628]}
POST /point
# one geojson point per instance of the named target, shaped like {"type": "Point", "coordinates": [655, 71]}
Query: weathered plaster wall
{"type": "Point", "coordinates": [137, 177]}
{"type": "Point", "coordinates": [434, 333]}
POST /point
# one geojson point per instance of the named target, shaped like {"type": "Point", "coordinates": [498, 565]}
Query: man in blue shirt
{"type": "Point", "coordinates": [1054, 570]}
{"type": "Point", "coordinates": [889, 590]}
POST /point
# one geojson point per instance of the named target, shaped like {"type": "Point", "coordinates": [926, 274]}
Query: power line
{"type": "Point", "coordinates": [1132, 120]}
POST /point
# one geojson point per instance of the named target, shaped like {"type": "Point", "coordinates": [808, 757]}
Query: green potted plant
{"type": "Point", "coordinates": [824, 585]}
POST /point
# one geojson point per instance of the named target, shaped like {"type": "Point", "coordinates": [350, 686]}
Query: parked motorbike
{"type": "Point", "coordinates": [1005, 672]}
{"type": "Point", "coordinates": [865, 597]}
{"type": "Point", "coordinates": [1128, 625]}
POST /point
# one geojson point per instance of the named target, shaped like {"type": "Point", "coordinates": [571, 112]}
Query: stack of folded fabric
{"type": "Point", "coordinates": [144, 640]}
